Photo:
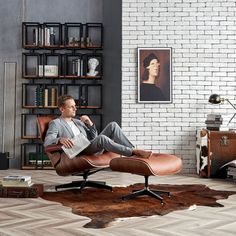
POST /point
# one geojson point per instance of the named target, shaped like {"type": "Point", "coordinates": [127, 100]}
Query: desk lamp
{"type": "Point", "coordinates": [216, 99]}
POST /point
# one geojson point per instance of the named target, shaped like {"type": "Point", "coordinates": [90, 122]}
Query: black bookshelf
{"type": "Point", "coordinates": [55, 61]}
{"type": "Point", "coordinates": [70, 35]}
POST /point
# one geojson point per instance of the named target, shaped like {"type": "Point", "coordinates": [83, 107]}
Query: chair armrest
{"type": "Point", "coordinates": [53, 148]}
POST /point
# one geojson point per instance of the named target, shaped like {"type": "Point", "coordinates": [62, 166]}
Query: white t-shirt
{"type": "Point", "coordinates": [74, 128]}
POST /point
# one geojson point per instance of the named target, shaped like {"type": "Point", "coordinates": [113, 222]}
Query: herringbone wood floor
{"type": "Point", "coordinates": [27, 217]}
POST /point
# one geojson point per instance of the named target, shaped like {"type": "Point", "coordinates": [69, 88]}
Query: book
{"type": "Point", "coordinates": [37, 158]}
{"type": "Point", "coordinates": [36, 190]}
{"type": "Point", "coordinates": [17, 181]}
{"type": "Point", "coordinates": [39, 97]}
{"type": "Point", "coordinates": [41, 36]}
{"type": "Point", "coordinates": [47, 37]}
{"type": "Point", "coordinates": [39, 162]}
{"type": "Point", "coordinates": [53, 96]}
{"type": "Point", "coordinates": [19, 178]}
{"type": "Point", "coordinates": [52, 37]}
{"type": "Point", "coordinates": [231, 171]}
{"type": "Point", "coordinates": [80, 143]}
{"type": "Point", "coordinates": [76, 67]}
{"type": "Point", "coordinates": [35, 36]}
{"type": "Point", "coordinates": [16, 184]}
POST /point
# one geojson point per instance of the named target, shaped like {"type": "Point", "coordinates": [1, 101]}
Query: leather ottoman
{"type": "Point", "coordinates": [156, 165]}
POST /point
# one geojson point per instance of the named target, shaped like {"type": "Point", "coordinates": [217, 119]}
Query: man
{"type": "Point", "coordinates": [149, 91]}
{"type": "Point", "coordinates": [64, 128]}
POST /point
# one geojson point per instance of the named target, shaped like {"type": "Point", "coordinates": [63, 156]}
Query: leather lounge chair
{"type": "Point", "coordinates": [82, 165]}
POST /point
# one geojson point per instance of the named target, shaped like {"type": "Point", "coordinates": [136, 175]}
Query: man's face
{"type": "Point", "coordinates": [69, 109]}
{"type": "Point", "coordinates": [154, 67]}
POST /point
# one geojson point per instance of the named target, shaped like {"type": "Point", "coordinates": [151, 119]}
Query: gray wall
{"type": "Point", "coordinates": [112, 11]}
{"type": "Point", "coordinates": [10, 51]}
{"type": "Point", "coordinates": [63, 11]}
{"type": "Point", "coordinates": [14, 12]}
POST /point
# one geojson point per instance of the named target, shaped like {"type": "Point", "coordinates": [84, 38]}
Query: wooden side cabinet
{"type": "Point", "coordinates": [213, 150]}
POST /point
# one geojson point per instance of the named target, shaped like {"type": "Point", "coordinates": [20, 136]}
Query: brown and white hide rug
{"type": "Point", "coordinates": [104, 206]}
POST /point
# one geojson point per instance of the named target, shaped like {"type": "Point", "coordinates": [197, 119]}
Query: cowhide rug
{"type": "Point", "coordinates": [104, 206]}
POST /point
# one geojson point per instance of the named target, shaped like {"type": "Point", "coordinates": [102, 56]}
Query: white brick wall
{"type": "Point", "coordinates": [202, 34]}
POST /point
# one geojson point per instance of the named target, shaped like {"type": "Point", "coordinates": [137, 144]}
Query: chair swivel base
{"type": "Point", "coordinates": [84, 183]}
{"type": "Point", "coordinates": [146, 191]}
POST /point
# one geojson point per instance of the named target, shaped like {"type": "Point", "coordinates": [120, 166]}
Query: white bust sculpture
{"type": "Point", "coordinates": [92, 65]}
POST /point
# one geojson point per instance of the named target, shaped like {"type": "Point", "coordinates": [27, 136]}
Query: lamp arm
{"type": "Point", "coordinates": [231, 118]}
{"type": "Point", "coordinates": [230, 103]}
{"type": "Point", "coordinates": [234, 109]}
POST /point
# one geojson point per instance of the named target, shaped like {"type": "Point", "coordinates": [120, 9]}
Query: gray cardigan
{"type": "Point", "coordinates": [59, 128]}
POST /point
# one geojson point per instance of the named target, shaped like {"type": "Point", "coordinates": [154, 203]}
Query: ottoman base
{"type": "Point", "coordinates": [146, 191]}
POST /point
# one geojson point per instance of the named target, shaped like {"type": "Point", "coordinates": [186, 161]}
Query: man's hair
{"type": "Point", "coordinates": [146, 63]}
{"type": "Point", "coordinates": [148, 59]}
{"type": "Point", "coordinates": [62, 100]}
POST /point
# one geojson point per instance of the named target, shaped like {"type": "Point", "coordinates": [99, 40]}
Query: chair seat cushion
{"type": "Point", "coordinates": [156, 164]}
{"type": "Point", "coordinates": [66, 166]}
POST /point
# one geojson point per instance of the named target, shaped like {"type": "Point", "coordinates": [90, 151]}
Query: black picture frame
{"type": "Point", "coordinates": [155, 75]}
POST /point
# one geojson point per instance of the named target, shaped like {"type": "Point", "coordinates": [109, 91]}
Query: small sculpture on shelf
{"type": "Point", "coordinates": [92, 65]}
{"type": "Point", "coordinates": [74, 42]}
{"type": "Point", "coordinates": [82, 101]}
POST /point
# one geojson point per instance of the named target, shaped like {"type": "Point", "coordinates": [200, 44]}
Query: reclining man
{"type": "Point", "coordinates": [64, 128]}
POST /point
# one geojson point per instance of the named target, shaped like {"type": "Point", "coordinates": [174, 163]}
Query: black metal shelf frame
{"type": "Point", "coordinates": [55, 62]}
{"type": "Point", "coordinates": [53, 35]}
{"type": "Point", "coordinates": [60, 65]}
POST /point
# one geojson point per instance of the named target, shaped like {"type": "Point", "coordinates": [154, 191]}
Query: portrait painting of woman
{"type": "Point", "coordinates": [154, 75]}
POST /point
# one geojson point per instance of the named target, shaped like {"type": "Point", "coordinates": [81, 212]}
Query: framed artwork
{"type": "Point", "coordinates": [154, 75]}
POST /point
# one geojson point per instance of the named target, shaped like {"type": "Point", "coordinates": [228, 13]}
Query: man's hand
{"type": "Point", "coordinates": [86, 120]}
{"type": "Point", "coordinates": [68, 143]}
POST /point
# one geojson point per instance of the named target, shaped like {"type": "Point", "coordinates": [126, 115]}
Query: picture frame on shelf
{"type": "Point", "coordinates": [48, 70]}
{"type": "Point", "coordinates": [155, 75]}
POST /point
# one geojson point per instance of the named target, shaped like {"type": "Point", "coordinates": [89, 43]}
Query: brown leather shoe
{"type": "Point", "coordinates": [142, 153]}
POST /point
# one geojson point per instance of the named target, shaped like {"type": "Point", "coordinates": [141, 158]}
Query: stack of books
{"type": "Point", "coordinates": [213, 122]}
{"type": "Point", "coordinates": [15, 186]}
{"type": "Point", "coordinates": [231, 172]}
{"type": "Point", "coordinates": [45, 97]}
{"type": "Point", "coordinates": [36, 158]}
{"type": "Point", "coordinates": [17, 181]}
{"type": "Point", "coordinates": [77, 67]}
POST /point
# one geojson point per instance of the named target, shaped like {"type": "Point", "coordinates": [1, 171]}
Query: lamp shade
{"type": "Point", "coordinates": [215, 99]}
